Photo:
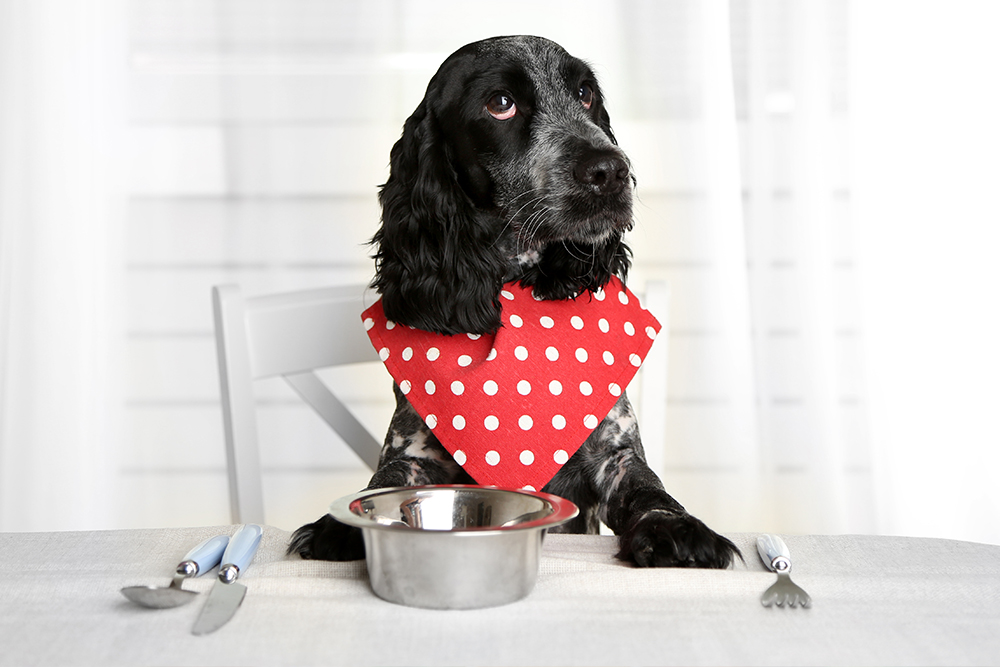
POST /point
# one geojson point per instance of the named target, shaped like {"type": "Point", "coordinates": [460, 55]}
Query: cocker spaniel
{"type": "Point", "coordinates": [508, 173]}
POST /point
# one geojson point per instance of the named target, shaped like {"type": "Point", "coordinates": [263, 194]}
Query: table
{"type": "Point", "coordinates": [876, 600]}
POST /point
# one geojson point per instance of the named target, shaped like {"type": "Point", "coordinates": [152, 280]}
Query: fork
{"type": "Point", "coordinates": [774, 552]}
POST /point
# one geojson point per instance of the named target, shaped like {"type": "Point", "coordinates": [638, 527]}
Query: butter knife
{"type": "Point", "coordinates": [227, 594]}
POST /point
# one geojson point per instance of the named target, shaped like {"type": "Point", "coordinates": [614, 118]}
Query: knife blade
{"type": "Point", "coordinates": [227, 594]}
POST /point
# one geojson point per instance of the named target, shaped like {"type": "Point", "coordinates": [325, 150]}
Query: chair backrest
{"type": "Point", "coordinates": [652, 403]}
{"type": "Point", "coordinates": [288, 335]}
{"type": "Point", "coordinates": [292, 334]}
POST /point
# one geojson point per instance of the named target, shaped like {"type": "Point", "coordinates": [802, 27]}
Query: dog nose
{"type": "Point", "coordinates": [605, 173]}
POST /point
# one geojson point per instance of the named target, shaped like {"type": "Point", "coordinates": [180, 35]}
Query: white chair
{"type": "Point", "coordinates": [288, 335]}
{"type": "Point", "coordinates": [295, 333]}
{"type": "Point", "coordinates": [651, 407]}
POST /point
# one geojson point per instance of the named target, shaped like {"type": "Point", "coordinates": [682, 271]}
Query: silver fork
{"type": "Point", "coordinates": [774, 552]}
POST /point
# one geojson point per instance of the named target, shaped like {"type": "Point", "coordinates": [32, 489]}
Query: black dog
{"type": "Point", "coordinates": [508, 171]}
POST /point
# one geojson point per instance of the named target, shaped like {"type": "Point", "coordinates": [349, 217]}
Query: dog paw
{"type": "Point", "coordinates": [660, 538]}
{"type": "Point", "coordinates": [327, 539]}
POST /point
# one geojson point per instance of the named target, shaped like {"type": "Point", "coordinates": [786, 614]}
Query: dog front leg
{"type": "Point", "coordinates": [654, 530]}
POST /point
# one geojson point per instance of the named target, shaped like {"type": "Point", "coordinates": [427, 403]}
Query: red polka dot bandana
{"type": "Point", "coordinates": [513, 407]}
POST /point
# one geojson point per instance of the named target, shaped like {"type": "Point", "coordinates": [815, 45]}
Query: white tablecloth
{"type": "Point", "coordinates": [877, 600]}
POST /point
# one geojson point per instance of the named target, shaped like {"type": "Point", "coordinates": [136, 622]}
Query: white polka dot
{"type": "Point", "coordinates": [527, 457]}
{"type": "Point", "coordinates": [603, 325]}
{"type": "Point", "coordinates": [516, 321]}
{"type": "Point", "coordinates": [430, 387]}
{"type": "Point", "coordinates": [490, 387]}
{"type": "Point", "coordinates": [635, 360]}
{"type": "Point", "coordinates": [369, 323]}
{"type": "Point", "coordinates": [581, 355]}
{"type": "Point", "coordinates": [524, 387]}
{"type": "Point", "coordinates": [614, 389]}
{"type": "Point", "coordinates": [536, 297]}
{"type": "Point", "coordinates": [586, 389]}
{"type": "Point", "coordinates": [629, 328]}
{"type": "Point", "coordinates": [547, 322]}
{"type": "Point", "coordinates": [651, 332]}
{"type": "Point", "coordinates": [457, 388]}
{"type": "Point", "coordinates": [459, 457]}
{"type": "Point", "coordinates": [492, 355]}
{"type": "Point", "coordinates": [383, 354]}
{"type": "Point", "coordinates": [458, 422]}
{"type": "Point", "coordinates": [407, 354]}
{"type": "Point", "coordinates": [491, 423]}
{"type": "Point", "coordinates": [390, 325]}
{"type": "Point", "coordinates": [433, 353]}
{"type": "Point", "coordinates": [590, 421]}
{"type": "Point", "coordinates": [525, 422]}
{"type": "Point", "coordinates": [431, 421]}
{"type": "Point", "coordinates": [609, 358]}
{"type": "Point", "coordinates": [527, 487]}
{"type": "Point", "coordinates": [577, 322]}
{"type": "Point", "coordinates": [464, 360]}
{"type": "Point", "coordinates": [521, 352]}
{"type": "Point", "coordinates": [560, 456]}
{"type": "Point", "coordinates": [551, 353]}
{"type": "Point", "coordinates": [623, 297]}
{"type": "Point", "coordinates": [558, 422]}
{"type": "Point", "coordinates": [404, 386]}
{"type": "Point", "coordinates": [599, 294]}
{"type": "Point", "coordinates": [474, 336]}
{"type": "Point", "coordinates": [493, 457]}
{"type": "Point", "coordinates": [507, 295]}
{"type": "Point", "coordinates": [555, 387]}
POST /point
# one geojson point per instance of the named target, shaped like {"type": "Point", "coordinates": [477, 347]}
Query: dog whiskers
{"type": "Point", "coordinates": [526, 234]}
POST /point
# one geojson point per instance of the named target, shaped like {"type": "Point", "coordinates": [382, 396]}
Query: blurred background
{"type": "Point", "coordinates": [817, 184]}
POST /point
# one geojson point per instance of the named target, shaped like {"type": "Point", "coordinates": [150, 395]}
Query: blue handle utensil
{"type": "Point", "coordinates": [196, 562]}
{"type": "Point", "coordinates": [226, 594]}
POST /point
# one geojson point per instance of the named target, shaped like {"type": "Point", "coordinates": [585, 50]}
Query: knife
{"type": "Point", "coordinates": [227, 594]}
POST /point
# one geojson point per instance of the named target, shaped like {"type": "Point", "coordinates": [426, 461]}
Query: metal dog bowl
{"type": "Point", "coordinates": [452, 547]}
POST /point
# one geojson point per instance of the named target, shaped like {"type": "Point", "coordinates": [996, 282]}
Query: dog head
{"type": "Point", "coordinates": [507, 170]}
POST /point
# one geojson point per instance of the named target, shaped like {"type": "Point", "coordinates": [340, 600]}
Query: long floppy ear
{"type": "Point", "coordinates": [566, 269]}
{"type": "Point", "coordinates": [437, 264]}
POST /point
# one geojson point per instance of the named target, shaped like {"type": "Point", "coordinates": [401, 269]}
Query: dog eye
{"type": "Point", "coordinates": [586, 94]}
{"type": "Point", "coordinates": [501, 106]}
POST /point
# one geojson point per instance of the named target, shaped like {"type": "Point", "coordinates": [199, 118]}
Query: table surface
{"type": "Point", "coordinates": [876, 600]}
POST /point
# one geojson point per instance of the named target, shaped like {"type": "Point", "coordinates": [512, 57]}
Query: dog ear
{"type": "Point", "coordinates": [437, 264]}
{"type": "Point", "coordinates": [567, 269]}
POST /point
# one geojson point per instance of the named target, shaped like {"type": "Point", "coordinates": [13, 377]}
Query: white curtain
{"type": "Point", "coordinates": [62, 109]}
{"type": "Point", "coordinates": [927, 167]}
{"type": "Point", "coordinates": [743, 146]}
{"type": "Point", "coordinates": [810, 394]}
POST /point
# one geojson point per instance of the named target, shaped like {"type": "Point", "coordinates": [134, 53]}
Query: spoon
{"type": "Point", "coordinates": [197, 562]}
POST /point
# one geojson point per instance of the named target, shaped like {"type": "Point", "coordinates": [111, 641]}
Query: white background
{"type": "Point", "coordinates": [816, 184]}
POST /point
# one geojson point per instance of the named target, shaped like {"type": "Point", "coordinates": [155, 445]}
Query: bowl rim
{"type": "Point", "coordinates": [562, 510]}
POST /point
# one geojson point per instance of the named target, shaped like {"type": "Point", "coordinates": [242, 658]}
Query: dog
{"type": "Point", "coordinates": [508, 171]}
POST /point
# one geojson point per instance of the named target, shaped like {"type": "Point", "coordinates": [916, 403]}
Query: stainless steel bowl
{"type": "Point", "coordinates": [452, 547]}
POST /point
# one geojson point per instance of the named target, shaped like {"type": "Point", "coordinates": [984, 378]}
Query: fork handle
{"type": "Point", "coordinates": [774, 552]}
